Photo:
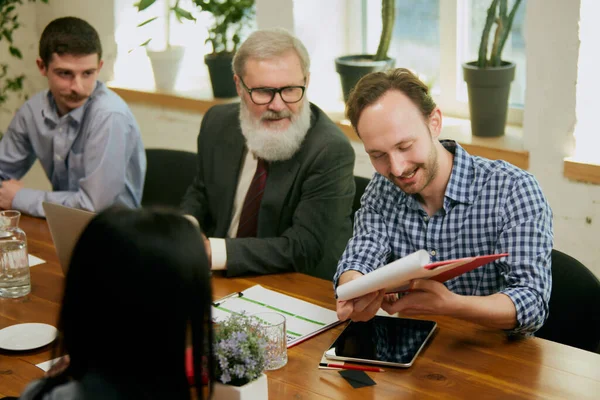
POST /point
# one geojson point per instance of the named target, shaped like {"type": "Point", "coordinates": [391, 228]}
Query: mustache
{"type": "Point", "coordinates": [268, 115]}
{"type": "Point", "coordinates": [75, 97]}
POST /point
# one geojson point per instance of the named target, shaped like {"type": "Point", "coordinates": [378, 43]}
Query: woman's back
{"type": "Point", "coordinates": [138, 283]}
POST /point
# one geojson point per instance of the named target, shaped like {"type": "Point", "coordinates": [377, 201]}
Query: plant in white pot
{"type": "Point", "coordinates": [489, 78]}
{"type": "Point", "coordinates": [165, 63]}
{"type": "Point", "coordinates": [240, 351]}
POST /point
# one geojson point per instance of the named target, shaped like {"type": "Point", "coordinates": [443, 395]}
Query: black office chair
{"type": "Point", "coordinates": [361, 184]}
{"type": "Point", "coordinates": [574, 317]}
{"type": "Point", "coordinates": [168, 175]}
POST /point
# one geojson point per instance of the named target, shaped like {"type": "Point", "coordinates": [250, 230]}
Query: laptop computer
{"type": "Point", "coordinates": [66, 225]}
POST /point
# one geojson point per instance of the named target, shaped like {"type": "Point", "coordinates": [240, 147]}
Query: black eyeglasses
{"type": "Point", "coordinates": [264, 95]}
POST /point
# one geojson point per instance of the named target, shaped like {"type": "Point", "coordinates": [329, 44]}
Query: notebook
{"type": "Point", "coordinates": [303, 319]}
{"type": "Point", "coordinates": [396, 276]}
{"type": "Point", "coordinates": [66, 225]}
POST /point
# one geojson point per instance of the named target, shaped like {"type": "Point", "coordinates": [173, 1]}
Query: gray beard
{"type": "Point", "coordinates": [271, 144]}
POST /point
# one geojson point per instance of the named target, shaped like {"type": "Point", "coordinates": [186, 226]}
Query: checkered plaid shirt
{"type": "Point", "coordinates": [489, 207]}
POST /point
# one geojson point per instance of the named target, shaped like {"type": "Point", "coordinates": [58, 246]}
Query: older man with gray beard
{"type": "Point", "coordinates": [275, 182]}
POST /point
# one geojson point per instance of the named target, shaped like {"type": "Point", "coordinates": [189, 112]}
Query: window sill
{"type": "Point", "coordinates": [582, 171]}
{"type": "Point", "coordinates": [508, 147]}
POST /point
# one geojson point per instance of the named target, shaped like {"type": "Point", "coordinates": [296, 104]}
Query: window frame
{"type": "Point", "coordinates": [454, 15]}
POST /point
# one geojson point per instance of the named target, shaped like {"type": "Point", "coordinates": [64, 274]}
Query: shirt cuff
{"type": "Point", "coordinates": [218, 251]}
{"type": "Point", "coordinates": [29, 201]}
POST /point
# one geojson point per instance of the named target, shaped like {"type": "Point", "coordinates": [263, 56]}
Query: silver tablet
{"type": "Point", "coordinates": [383, 340]}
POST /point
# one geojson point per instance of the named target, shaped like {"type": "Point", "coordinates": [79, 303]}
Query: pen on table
{"type": "Point", "coordinates": [355, 367]}
{"type": "Point", "coordinates": [234, 294]}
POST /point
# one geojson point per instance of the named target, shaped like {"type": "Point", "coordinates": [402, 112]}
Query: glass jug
{"type": "Point", "coordinates": [14, 261]}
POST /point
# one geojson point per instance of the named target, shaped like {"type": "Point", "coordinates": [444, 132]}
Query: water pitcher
{"type": "Point", "coordinates": [14, 262]}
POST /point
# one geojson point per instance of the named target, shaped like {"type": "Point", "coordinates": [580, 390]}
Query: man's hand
{"type": "Point", "coordinates": [8, 190]}
{"type": "Point", "coordinates": [425, 297]}
{"type": "Point", "coordinates": [208, 249]}
{"type": "Point", "coordinates": [362, 308]}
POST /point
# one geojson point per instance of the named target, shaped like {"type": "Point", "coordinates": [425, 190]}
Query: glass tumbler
{"type": "Point", "coordinates": [272, 326]}
{"type": "Point", "coordinates": [14, 263]}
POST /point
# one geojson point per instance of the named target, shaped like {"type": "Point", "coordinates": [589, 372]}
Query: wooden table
{"type": "Point", "coordinates": [462, 360]}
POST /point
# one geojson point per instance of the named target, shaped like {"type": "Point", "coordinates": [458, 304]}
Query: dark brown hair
{"type": "Point", "coordinates": [374, 85]}
{"type": "Point", "coordinates": [69, 35]}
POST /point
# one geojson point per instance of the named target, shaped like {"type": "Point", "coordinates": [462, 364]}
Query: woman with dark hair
{"type": "Point", "coordinates": [137, 292]}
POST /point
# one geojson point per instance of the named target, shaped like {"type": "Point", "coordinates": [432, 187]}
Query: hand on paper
{"type": "Point", "coordinates": [8, 190]}
{"type": "Point", "coordinates": [362, 308]}
{"type": "Point", "coordinates": [425, 297]}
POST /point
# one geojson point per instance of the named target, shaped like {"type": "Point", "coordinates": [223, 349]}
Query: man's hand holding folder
{"type": "Point", "coordinates": [361, 296]}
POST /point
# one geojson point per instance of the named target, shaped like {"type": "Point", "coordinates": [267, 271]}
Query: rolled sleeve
{"type": "Point", "coordinates": [528, 238]}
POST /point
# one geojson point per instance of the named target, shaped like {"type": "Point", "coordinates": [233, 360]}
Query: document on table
{"type": "Point", "coordinates": [33, 260]}
{"type": "Point", "coordinates": [303, 319]}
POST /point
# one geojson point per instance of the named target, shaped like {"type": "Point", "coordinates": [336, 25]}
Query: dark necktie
{"type": "Point", "coordinates": [249, 217]}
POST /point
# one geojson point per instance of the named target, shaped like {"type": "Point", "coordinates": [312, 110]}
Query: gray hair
{"type": "Point", "coordinates": [269, 43]}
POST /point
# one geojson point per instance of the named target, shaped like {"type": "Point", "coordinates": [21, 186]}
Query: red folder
{"type": "Point", "coordinates": [397, 275]}
{"type": "Point", "coordinates": [463, 265]}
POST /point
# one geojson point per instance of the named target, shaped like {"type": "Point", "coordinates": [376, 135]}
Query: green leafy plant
{"type": "Point", "coordinates": [497, 14]}
{"type": "Point", "coordinates": [9, 23]}
{"type": "Point", "coordinates": [172, 7]}
{"type": "Point", "coordinates": [240, 350]}
{"type": "Point", "coordinates": [231, 17]}
{"type": "Point", "coordinates": [388, 16]}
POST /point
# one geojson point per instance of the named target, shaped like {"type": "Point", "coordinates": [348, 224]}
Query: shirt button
{"type": "Point", "coordinates": [433, 252]}
{"type": "Point", "coordinates": [426, 218]}
{"type": "Point", "coordinates": [58, 158]}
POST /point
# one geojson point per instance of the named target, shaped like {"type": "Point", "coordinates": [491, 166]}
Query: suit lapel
{"type": "Point", "coordinates": [282, 175]}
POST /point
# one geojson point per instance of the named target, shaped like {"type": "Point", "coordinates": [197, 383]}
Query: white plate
{"type": "Point", "coordinates": [27, 336]}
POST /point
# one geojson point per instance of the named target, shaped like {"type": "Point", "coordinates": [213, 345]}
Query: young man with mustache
{"type": "Point", "coordinates": [431, 194]}
{"type": "Point", "coordinates": [275, 180]}
{"type": "Point", "coordinates": [84, 135]}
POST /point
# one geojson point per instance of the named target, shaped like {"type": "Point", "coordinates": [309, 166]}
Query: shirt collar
{"type": "Point", "coordinates": [460, 185]}
{"type": "Point", "coordinates": [459, 188]}
{"type": "Point", "coordinates": [50, 110]}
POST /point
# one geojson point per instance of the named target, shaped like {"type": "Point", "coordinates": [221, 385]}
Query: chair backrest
{"type": "Point", "coordinates": [361, 184]}
{"type": "Point", "coordinates": [168, 175]}
{"type": "Point", "coordinates": [574, 317]}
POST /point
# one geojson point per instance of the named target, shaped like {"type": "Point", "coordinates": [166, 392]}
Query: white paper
{"type": "Point", "coordinates": [302, 319]}
{"type": "Point", "coordinates": [45, 366]}
{"type": "Point", "coordinates": [33, 260]}
{"type": "Point", "coordinates": [392, 275]}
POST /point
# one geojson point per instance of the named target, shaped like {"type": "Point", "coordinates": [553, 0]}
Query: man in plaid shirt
{"type": "Point", "coordinates": [431, 194]}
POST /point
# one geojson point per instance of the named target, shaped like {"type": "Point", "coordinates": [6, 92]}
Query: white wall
{"type": "Point", "coordinates": [549, 121]}
{"type": "Point", "coordinates": [552, 52]}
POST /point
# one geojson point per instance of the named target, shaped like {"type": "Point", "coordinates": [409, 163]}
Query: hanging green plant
{"type": "Point", "coordinates": [9, 23]}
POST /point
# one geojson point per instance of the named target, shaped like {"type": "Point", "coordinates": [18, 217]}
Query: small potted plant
{"type": "Point", "coordinates": [165, 63]}
{"type": "Point", "coordinates": [353, 67]}
{"type": "Point", "coordinates": [231, 17]}
{"type": "Point", "coordinates": [489, 78]}
{"type": "Point", "coordinates": [241, 354]}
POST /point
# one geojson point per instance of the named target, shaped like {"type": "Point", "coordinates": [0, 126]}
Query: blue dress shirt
{"type": "Point", "coordinates": [489, 207]}
{"type": "Point", "coordinates": [93, 156]}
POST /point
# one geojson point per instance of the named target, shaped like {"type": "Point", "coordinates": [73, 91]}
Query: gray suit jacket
{"type": "Point", "coordinates": [304, 219]}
